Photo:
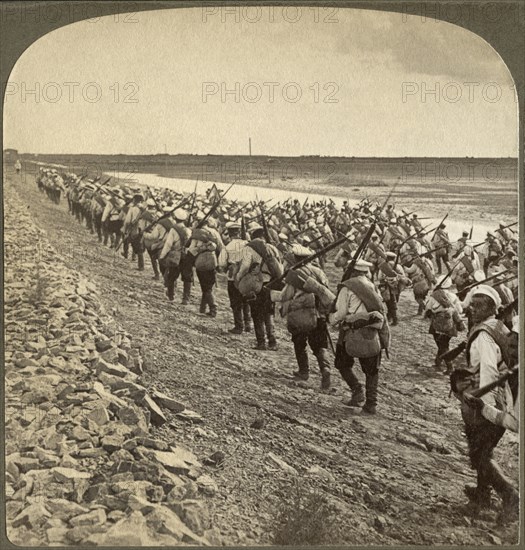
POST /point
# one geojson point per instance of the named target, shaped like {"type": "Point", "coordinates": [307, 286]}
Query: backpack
{"type": "Point", "coordinates": [302, 313]}
{"type": "Point", "coordinates": [272, 263]}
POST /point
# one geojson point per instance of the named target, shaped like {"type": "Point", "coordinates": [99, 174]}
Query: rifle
{"type": "Point", "coordinates": [368, 235]}
{"type": "Point", "coordinates": [164, 216]}
{"type": "Point", "coordinates": [306, 261]}
{"type": "Point", "coordinates": [265, 227]}
{"type": "Point", "coordinates": [450, 355]}
{"type": "Point", "coordinates": [192, 204]}
{"type": "Point", "coordinates": [471, 230]}
{"type": "Point", "coordinates": [480, 392]}
{"type": "Point", "coordinates": [213, 209]}
{"type": "Point", "coordinates": [461, 249]}
{"type": "Point", "coordinates": [157, 206]}
{"type": "Point", "coordinates": [407, 239]}
{"type": "Point", "coordinates": [439, 225]}
{"type": "Point", "coordinates": [243, 228]}
{"type": "Point", "coordinates": [463, 292]}
{"type": "Point", "coordinates": [449, 273]}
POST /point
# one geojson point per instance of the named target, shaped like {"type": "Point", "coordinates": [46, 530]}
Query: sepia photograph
{"type": "Point", "coordinates": [260, 275]}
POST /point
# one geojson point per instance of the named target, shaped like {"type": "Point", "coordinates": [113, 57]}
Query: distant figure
{"type": "Point", "coordinates": [18, 166]}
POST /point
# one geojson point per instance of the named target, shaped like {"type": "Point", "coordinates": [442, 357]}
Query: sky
{"type": "Point", "coordinates": [296, 81]}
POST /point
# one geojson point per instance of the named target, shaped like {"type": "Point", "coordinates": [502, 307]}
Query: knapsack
{"type": "Point", "coordinates": [302, 313]}
{"type": "Point", "coordinates": [272, 263]}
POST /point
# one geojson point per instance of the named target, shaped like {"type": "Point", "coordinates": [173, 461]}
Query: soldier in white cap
{"type": "Point", "coordinates": [443, 308]}
{"type": "Point", "coordinates": [305, 307]}
{"type": "Point", "coordinates": [258, 254]}
{"type": "Point", "coordinates": [460, 244]}
{"type": "Point", "coordinates": [154, 237]}
{"type": "Point", "coordinates": [170, 256]}
{"type": "Point", "coordinates": [133, 226]}
{"type": "Point", "coordinates": [229, 260]}
{"type": "Point", "coordinates": [391, 286]}
{"type": "Point", "coordinates": [504, 233]}
{"type": "Point", "coordinates": [205, 247]}
{"type": "Point", "coordinates": [441, 241]}
{"type": "Point", "coordinates": [488, 356]}
{"type": "Point", "coordinates": [492, 251]}
{"type": "Point", "coordinates": [361, 315]}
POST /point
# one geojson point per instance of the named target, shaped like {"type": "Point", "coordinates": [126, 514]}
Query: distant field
{"type": "Point", "coordinates": [481, 187]}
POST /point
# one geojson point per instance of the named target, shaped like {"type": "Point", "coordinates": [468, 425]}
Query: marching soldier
{"type": "Point", "coordinates": [391, 287]}
{"type": "Point", "coordinates": [205, 248]}
{"type": "Point", "coordinates": [441, 241]}
{"type": "Point", "coordinates": [504, 234]}
{"type": "Point", "coordinates": [421, 273]}
{"type": "Point", "coordinates": [463, 272]}
{"type": "Point", "coordinates": [493, 251]}
{"type": "Point", "coordinates": [154, 238]}
{"type": "Point", "coordinates": [133, 226]}
{"type": "Point", "coordinates": [460, 244]}
{"type": "Point", "coordinates": [443, 308]}
{"type": "Point", "coordinates": [172, 253]}
{"type": "Point", "coordinates": [231, 260]}
{"type": "Point", "coordinates": [359, 309]}
{"type": "Point", "coordinates": [263, 257]}
{"type": "Point", "coordinates": [305, 302]}
{"type": "Point", "coordinates": [487, 417]}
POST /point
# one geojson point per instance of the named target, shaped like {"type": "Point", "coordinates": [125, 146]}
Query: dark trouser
{"type": "Point", "coordinates": [442, 259]}
{"type": "Point", "coordinates": [240, 308]}
{"type": "Point", "coordinates": [370, 367]}
{"type": "Point", "coordinates": [76, 210]}
{"type": "Point", "coordinates": [137, 246]}
{"type": "Point", "coordinates": [105, 232]}
{"type": "Point", "coordinates": [391, 305]}
{"type": "Point", "coordinates": [262, 310]}
{"type": "Point", "coordinates": [442, 343]}
{"type": "Point", "coordinates": [186, 274]}
{"type": "Point", "coordinates": [154, 257]}
{"type": "Point", "coordinates": [207, 280]}
{"type": "Point", "coordinates": [420, 299]}
{"type": "Point", "coordinates": [89, 219]}
{"type": "Point", "coordinates": [113, 232]}
{"type": "Point", "coordinates": [482, 438]}
{"type": "Point", "coordinates": [171, 274]}
{"type": "Point", "coordinates": [97, 221]}
{"type": "Point", "coordinates": [317, 339]}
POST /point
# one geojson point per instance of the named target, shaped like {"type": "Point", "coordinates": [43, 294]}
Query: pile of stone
{"type": "Point", "coordinates": [82, 466]}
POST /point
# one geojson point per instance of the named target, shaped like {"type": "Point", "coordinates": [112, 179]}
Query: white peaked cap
{"type": "Point", "coordinates": [488, 291]}
{"type": "Point", "coordinates": [180, 215]}
{"type": "Point", "coordinates": [362, 265]}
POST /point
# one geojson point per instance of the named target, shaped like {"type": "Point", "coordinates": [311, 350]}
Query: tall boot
{"type": "Point", "coordinates": [210, 300]}
{"type": "Point", "coordinates": [247, 318]}
{"type": "Point", "coordinates": [237, 320]}
{"type": "Point", "coordinates": [202, 307]}
{"type": "Point", "coordinates": [324, 366]}
{"type": "Point", "coordinates": [509, 495]}
{"type": "Point", "coordinates": [258, 325]}
{"type": "Point", "coordinates": [301, 356]}
{"type": "Point", "coordinates": [421, 307]}
{"type": "Point", "coordinates": [270, 331]}
{"type": "Point", "coordinates": [186, 292]}
{"type": "Point", "coordinates": [371, 383]}
{"type": "Point", "coordinates": [140, 258]}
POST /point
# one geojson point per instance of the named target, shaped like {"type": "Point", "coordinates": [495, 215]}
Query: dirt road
{"type": "Point", "coordinates": [396, 478]}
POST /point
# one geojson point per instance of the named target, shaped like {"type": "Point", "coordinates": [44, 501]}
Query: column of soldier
{"type": "Point", "coordinates": [274, 257]}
